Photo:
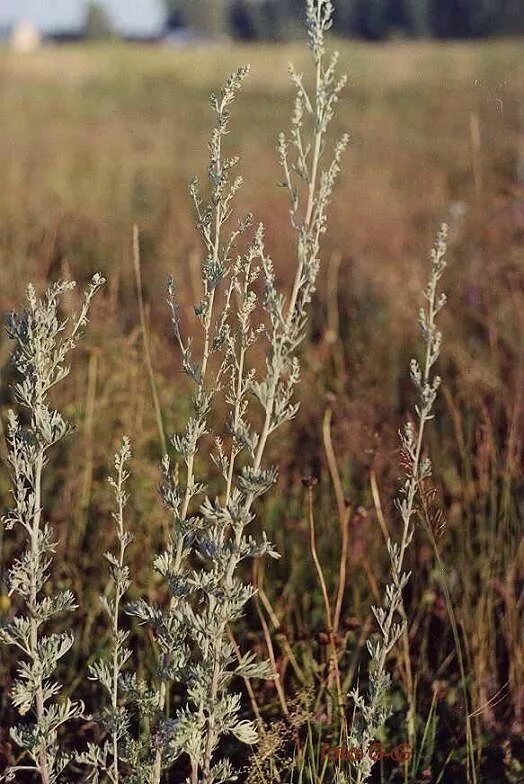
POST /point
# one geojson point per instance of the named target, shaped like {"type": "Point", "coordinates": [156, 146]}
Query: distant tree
{"type": "Point", "coordinates": [265, 19]}
{"type": "Point", "coordinates": [296, 11]}
{"type": "Point", "coordinates": [175, 17]}
{"type": "Point", "coordinates": [345, 17]}
{"type": "Point", "coordinates": [287, 17]}
{"type": "Point", "coordinates": [370, 19]}
{"type": "Point", "coordinates": [97, 24]}
{"type": "Point", "coordinates": [419, 17]}
{"type": "Point", "coordinates": [513, 21]}
{"type": "Point", "coordinates": [485, 17]}
{"type": "Point", "coordinates": [207, 17]}
{"type": "Point", "coordinates": [246, 21]}
{"type": "Point", "coordinates": [173, 10]}
{"type": "Point", "coordinates": [400, 17]}
{"type": "Point", "coordinates": [451, 18]}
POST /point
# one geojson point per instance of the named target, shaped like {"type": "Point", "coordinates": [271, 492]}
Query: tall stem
{"type": "Point", "coordinates": [415, 475]}
{"type": "Point", "coordinates": [188, 494]}
{"type": "Point", "coordinates": [311, 192]}
{"type": "Point", "coordinates": [116, 612]}
{"type": "Point", "coordinates": [36, 556]}
{"type": "Point", "coordinates": [333, 665]}
{"type": "Point", "coordinates": [411, 495]}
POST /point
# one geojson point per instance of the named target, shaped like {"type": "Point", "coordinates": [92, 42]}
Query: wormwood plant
{"type": "Point", "coordinates": [43, 343]}
{"type": "Point", "coordinates": [373, 708]}
{"type": "Point", "coordinates": [104, 760]}
{"type": "Point", "coordinates": [241, 314]}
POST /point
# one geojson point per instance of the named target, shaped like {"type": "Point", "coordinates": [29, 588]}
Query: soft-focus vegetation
{"type": "Point", "coordinates": [370, 19]}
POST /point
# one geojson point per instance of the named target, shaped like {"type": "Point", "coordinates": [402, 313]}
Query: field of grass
{"type": "Point", "coordinates": [93, 140]}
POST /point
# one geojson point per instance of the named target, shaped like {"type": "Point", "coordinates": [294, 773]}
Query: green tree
{"type": "Point", "coordinates": [451, 18]}
{"type": "Point", "coordinates": [345, 17]}
{"type": "Point", "coordinates": [207, 17]}
{"type": "Point", "coordinates": [370, 18]}
{"type": "Point", "coordinates": [513, 21]}
{"type": "Point", "coordinates": [266, 19]}
{"type": "Point", "coordinates": [486, 17]}
{"type": "Point", "coordinates": [248, 21]}
{"type": "Point", "coordinates": [419, 17]}
{"type": "Point", "coordinates": [97, 24]}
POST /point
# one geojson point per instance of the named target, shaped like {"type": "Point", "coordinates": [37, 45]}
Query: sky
{"type": "Point", "coordinates": [128, 16]}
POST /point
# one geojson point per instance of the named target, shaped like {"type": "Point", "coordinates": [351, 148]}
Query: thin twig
{"type": "Point", "coordinates": [145, 337]}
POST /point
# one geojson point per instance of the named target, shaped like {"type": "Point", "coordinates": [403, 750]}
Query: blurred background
{"type": "Point", "coordinates": [104, 120]}
{"type": "Point", "coordinates": [262, 19]}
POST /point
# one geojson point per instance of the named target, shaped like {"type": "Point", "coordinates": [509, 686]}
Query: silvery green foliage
{"type": "Point", "coordinates": [43, 342]}
{"type": "Point", "coordinates": [237, 323]}
{"type": "Point", "coordinates": [122, 690]}
{"type": "Point", "coordinates": [373, 708]}
{"type": "Point", "coordinates": [172, 626]}
{"type": "Point", "coordinates": [310, 182]}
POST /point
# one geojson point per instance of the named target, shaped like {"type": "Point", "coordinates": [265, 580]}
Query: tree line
{"type": "Point", "coordinates": [368, 19]}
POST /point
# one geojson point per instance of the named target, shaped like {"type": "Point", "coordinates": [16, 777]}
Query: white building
{"type": "Point", "coordinates": [25, 36]}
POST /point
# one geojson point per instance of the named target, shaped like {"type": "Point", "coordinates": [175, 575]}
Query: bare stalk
{"type": "Point", "coordinates": [137, 266]}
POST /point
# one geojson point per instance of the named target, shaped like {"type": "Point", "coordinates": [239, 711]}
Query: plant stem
{"type": "Point", "coordinates": [36, 555]}
{"type": "Point", "coordinates": [116, 612]}
{"type": "Point", "coordinates": [333, 663]}
{"type": "Point", "coordinates": [145, 338]}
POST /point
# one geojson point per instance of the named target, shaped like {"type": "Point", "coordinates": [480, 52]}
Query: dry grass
{"type": "Point", "coordinates": [94, 139]}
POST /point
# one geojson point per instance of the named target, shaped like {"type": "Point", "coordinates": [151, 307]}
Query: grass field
{"type": "Point", "coordinates": [95, 139]}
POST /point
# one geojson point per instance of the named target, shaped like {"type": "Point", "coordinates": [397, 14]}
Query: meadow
{"type": "Point", "coordinates": [95, 139]}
